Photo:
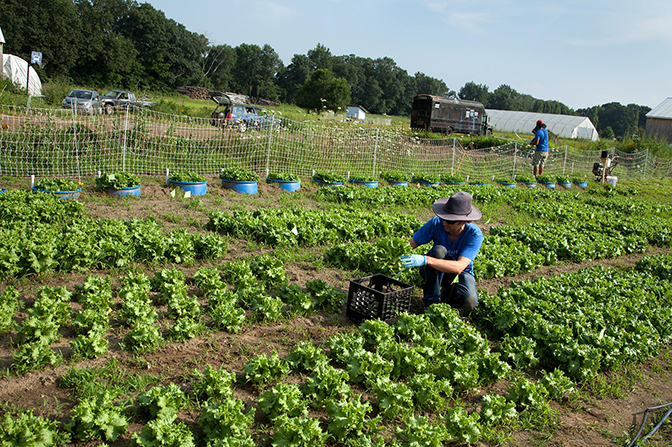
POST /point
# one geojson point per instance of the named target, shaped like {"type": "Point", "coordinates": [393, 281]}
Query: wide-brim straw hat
{"type": "Point", "coordinates": [457, 207]}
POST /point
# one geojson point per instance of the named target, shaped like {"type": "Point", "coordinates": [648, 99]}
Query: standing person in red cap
{"type": "Point", "coordinates": [448, 269]}
{"type": "Point", "coordinates": [541, 153]}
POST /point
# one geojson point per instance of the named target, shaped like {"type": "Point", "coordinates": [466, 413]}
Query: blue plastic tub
{"type": "Point", "coordinates": [286, 185]}
{"type": "Point", "coordinates": [567, 185]}
{"type": "Point", "coordinates": [399, 183]}
{"type": "Point", "coordinates": [123, 192]}
{"type": "Point", "coordinates": [548, 185]}
{"type": "Point", "coordinates": [507, 184]}
{"type": "Point", "coordinates": [195, 188]}
{"type": "Point", "coordinates": [368, 184]}
{"type": "Point", "coordinates": [329, 184]}
{"type": "Point", "coordinates": [580, 184]}
{"type": "Point", "coordinates": [62, 194]}
{"type": "Point", "coordinates": [240, 187]}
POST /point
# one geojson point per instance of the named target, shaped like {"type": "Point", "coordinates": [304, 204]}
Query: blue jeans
{"type": "Point", "coordinates": [438, 287]}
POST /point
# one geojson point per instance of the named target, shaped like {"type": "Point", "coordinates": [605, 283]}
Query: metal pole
{"type": "Point", "coordinates": [27, 79]}
{"type": "Point", "coordinates": [123, 147]}
{"type": "Point", "coordinates": [564, 163]}
{"type": "Point", "coordinates": [375, 152]}
{"type": "Point", "coordinates": [452, 163]}
{"type": "Point", "coordinates": [268, 148]}
{"type": "Point", "coordinates": [646, 161]}
{"type": "Point", "coordinates": [515, 152]}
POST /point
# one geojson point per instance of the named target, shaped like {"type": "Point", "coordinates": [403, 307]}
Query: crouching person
{"type": "Point", "coordinates": [447, 268]}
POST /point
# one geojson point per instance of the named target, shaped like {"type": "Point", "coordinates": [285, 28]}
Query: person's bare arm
{"type": "Point", "coordinates": [448, 266]}
{"type": "Point", "coordinates": [414, 244]}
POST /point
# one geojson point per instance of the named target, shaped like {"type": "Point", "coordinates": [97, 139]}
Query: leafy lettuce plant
{"type": "Point", "coordinates": [117, 180]}
{"type": "Point", "coordinates": [56, 184]}
{"type": "Point", "coordinates": [239, 175]}
{"type": "Point", "coordinates": [97, 418]}
{"type": "Point", "coordinates": [187, 177]}
{"type": "Point", "coordinates": [29, 430]}
{"type": "Point", "coordinates": [283, 177]}
{"type": "Point", "coordinates": [283, 400]}
{"type": "Point", "coordinates": [163, 402]}
{"type": "Point", "coordinates": [163, 433]}
{"type": "Point", "coordinates": [213, 383]}
{"type": "Point", "coordinates": [298, 431]}
{"type": "Point", "coordinates": [265, 368]}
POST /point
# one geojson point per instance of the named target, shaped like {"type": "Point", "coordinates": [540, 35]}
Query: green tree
{"type": "Point", "coordinates": [291, 78]}
{"type": "Point", "coordinates": [503, 98]}
{"type": "Point", "coordinates": [475, 92]}
{"type": "Point", "coordinates": [607, 132]}
{"type": "Point", "coordinates": [217, 67]}
{"type": "Point", "coordinates": [429, 85]}
{"type": "Point", "coordinates": [110, 58]}
{"type": "Point", "coordinates": [621, 119]}
{"type": "Point", "coordinates": [323, 92]}
{"type": "Point", "coordinates": [48, 26]}
{"type": "Point", "coordinates": [256, 69]}
{"type": "Point", "coordinates": [320, 57]}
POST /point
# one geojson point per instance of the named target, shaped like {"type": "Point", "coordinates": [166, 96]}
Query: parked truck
{"type": "Point", "coordinates": [447, 115]}
{"type": "Point", "coordinates": [121, 100]}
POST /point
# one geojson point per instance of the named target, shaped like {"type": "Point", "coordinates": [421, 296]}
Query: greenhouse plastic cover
{"type": "Point", "coordinates": [15, 70]}
{"type": "Point", "coordinates": [566, 126]}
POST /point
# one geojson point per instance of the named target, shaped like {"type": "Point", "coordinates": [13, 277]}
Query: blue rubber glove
{"type": "Point", "coordinates": [414, 260]}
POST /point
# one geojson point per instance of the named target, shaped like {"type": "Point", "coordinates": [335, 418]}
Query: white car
{"type": "Point", "coordinates": [83, 101]}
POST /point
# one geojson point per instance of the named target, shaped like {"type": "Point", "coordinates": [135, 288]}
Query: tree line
{"type": "Point", "coordinates": [126, 44]}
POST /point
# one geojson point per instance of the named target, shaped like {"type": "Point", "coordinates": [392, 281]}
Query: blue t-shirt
{"type": "Point", "coordinates": [542, 136]}
{"type": "Point", "coordinates": [467, 244]}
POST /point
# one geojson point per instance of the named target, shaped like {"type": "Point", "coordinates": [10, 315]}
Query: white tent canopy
{"type": "Point", "coordinates": [15, 69]}
{"type": "Point", "coordinates": [566, 126]}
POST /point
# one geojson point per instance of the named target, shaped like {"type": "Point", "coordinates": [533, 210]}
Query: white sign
{"type": "Point", "coordinates": [35, 57]}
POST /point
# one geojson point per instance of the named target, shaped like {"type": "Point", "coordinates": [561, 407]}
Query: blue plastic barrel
{"type": "Point", "coordinates": [62, 194]}
{"type": "Point", "coordinates": [368, 184]}
{"type": "Point", "coordinates": [195, 188]}
{"type": "Point", "coordinates": [240, 187]}
{"type": "Point", "coordinates": [123, 192]}
{"type": "Point", "coordinates": [286, 185]}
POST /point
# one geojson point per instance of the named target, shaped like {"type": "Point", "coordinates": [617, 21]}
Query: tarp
{"type": "Point", "coordinates": [15, 69]}
{"type": "Point", "coordinates": [565, 126]}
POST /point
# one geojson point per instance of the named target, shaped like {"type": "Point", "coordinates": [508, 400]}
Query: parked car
{"type": "Point", "coordinates": [240, 116]}
{"type": "Point", "coordinates": [85, 101]}
{"type": "Point", "coordinates": [122, 100]}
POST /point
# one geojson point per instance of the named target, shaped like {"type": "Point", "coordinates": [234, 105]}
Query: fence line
{"type": "Point", "coordinates": [56, 142]}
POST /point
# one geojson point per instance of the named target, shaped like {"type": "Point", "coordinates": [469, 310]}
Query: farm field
{"type": "Point", "coordinates": [221, 320]}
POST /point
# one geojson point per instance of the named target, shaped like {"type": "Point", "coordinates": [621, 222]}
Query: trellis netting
{"type": "Point", "coordinates": [58, 142]}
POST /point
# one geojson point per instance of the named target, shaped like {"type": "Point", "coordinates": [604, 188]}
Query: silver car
{"type": "Point", "coordinates": [83, 101]}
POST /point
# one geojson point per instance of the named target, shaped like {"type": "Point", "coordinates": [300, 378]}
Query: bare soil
{"type": "Point", "coordinates": [597, 418]}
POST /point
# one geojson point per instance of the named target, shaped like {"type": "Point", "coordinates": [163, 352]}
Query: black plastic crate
{"type": "Point", "coordinates": [378, 296]}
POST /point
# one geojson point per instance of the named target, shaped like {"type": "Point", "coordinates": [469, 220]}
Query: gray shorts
{"type": "Point", "coordinates": [539, 158]}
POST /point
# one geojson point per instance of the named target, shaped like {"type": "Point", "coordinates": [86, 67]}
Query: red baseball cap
{"type": "Point", "coordinates": [540, 123]}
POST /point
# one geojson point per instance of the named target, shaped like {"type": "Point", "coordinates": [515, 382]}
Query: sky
{"type": "Point", "coordinates": [581, 53]}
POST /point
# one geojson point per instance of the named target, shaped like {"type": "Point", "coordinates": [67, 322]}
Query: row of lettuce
{"type": "Point", "coordinates": [40, 233]}
{"type": "Point", "coordinates": [401, 384]}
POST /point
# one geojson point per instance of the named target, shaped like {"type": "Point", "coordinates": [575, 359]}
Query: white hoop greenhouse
{"type": "Point", "coordinates": [565, 126]}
